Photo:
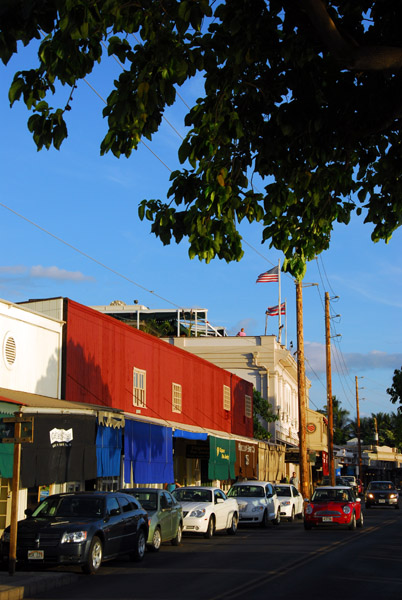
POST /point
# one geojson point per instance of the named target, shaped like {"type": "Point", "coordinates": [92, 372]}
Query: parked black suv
{"type": "Point", "coordinates": [80, 528]}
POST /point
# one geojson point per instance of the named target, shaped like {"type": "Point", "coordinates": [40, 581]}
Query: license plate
{"type": "Point", "coordinates": [381, 501]}
{"type": "Point", "coordinates": [36, 555]}
{"type": "Point", "coordinates": [327, 519]}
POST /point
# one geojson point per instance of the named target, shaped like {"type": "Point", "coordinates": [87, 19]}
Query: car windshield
{"type": "Point", "coordinates": [282, 491]}
{"type": "Point", "coordinates": [332, 495]}
{"type": "Point", "coordinates": [251, 491]}
{"type": "Point", "coordinates": [381, 485]}
{"type": "Point", "coordinates": [70, 506]}
{"type": "Point", "coordinates": [148, 500]}
{"type": "Point", "coordinates": [196, 495]}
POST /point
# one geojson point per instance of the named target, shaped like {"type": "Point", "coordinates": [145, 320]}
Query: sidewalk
{"type": "Point", "coordinates": [25, 584]}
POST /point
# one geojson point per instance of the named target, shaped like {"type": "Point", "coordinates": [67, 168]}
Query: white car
{"type": "Point", "coordinates": [258, 502]}
{"type": "Point", "coordinates": [206, 510]}
{"type": "Point", "coordinates": [291, 501]}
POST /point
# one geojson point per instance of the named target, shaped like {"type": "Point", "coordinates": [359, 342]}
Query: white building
{"type": "Point", "coordinates": [31, 346]}
{"type": "Point", "coordinates": [263, 361]}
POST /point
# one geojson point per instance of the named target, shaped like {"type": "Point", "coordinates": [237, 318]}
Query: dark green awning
{"type": "Point", "coordinates": [222, 458]}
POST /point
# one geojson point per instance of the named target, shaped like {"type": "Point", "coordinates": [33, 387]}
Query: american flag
{"type": "Point", "coordinates": [271, 275]}
{"type": "Point", "coordinates": [273, 311]}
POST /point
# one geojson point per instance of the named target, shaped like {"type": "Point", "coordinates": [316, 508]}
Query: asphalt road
{"type": "Point", "coordinates": [283, 562]}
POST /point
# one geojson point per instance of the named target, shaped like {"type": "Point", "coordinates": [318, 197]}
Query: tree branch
{"type": "Point", "coordinates": [349, 53]}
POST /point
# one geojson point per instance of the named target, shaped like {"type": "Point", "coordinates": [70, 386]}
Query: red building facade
{"type": "Point", "coordinates": [108, 363]}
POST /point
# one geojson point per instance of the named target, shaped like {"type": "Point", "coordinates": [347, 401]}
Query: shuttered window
{"type": "Point", "coordinates": [226, 398]}
{"type": "Point", "coordinates": [176, 397]}
{"type": "Point", "coordinates": [139, 388]}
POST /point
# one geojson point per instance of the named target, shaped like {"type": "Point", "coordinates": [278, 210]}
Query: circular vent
{"type": "Point", "coordinates": [10, 351]}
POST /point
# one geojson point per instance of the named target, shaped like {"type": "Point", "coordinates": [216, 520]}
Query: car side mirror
{"type": "Point", "coordinates": [114, 512]}
{"type": "Point", "coordinates": [219, 501]}
{"type": "Point", "coordinates": [28, 512]}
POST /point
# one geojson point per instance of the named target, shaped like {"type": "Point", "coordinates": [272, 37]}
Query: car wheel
{"type": "Point", "coordinates": [277, 519]}
{"type": "Point", "coordinates": [211, 528]}
{"type": "Point", "coordinates": [140, 544]}
{"type": "Point", "coordinates": [156, 540]}
{"type": "Point", "coordinates": [361, 520]}
{"type": "Point", "coordinates": [265, 519]}
{"type": "Point", "coordinates": [397, 506]}
{"type": "Point", "coordinates": [368, 505]}
{"type": "Point", "coordinates": [176, 541]}
{"type": "Point", "coordinates": [352, 524]}
{"type": "Point", "coordinates": [233, 525]}
{"type": "Point", "coordinates": [307, 526]}
{"type": "Point", "coordinates": [292, 515]}
{"type": "Point", "coordinates": [94, 559]}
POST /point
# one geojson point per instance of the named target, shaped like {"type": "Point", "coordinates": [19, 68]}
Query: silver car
{"type": "Point", "coordinates": [258, 502]}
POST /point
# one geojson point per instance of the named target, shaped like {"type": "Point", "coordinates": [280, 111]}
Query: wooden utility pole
{"type": "Point", "coordinates": [330, 411]}
{"type": "Point", "coordinates": [22, 432]}
{"type": "Point", "coordinates": [12, 556]}
{"type": "Point", "coordinates": [359, 448]}
{"type": "Point", "coordinates": [301, 382]}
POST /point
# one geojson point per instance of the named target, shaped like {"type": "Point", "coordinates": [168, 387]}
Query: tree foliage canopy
{"type": "Point", "coordinates": [395, 391]}
{"type": "Point", "coordinates": [299, 125]}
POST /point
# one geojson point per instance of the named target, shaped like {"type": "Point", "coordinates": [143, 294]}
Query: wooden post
{"type": "Point", "coordinates": [12, 557]}
{"type": "Point", "coordinates": [331, 463]}
{"type": "Point", "coordinates": [301, 382]}
{"type": "Point", "coordinates": [359, 448]}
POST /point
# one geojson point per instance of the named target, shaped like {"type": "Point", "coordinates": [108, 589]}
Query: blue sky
{"type": "Point", "coordinates": [75, 233]}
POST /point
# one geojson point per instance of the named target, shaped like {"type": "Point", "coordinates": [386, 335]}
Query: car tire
{"type": "Point", "coordinates": [277, 519]}
{"type": "Point", "coordinates": [368, 506]}
{"type": "Point", "coordinates": [361, 520]}
{"type": "Point", "coordinates": [210, 529]}
{"type": "Point", "coordinates": [292, 515]}
{"type": "Point", "coordinates": [307, 526]}
{"type": "Point", "coordinates": [265, 520]}
{"type": "Point", "coordinates": [233, 525]}
{"type": "Point", "coordinates": [140, 545]}
{"type": "Point", "coordinates": [397, 506]}
{"type": "Point", "coordinates": [94, 558]}
{"type": "Point", "coordinates": [176, 541]}
{"type": "Point", "coordinates": [352, 524]}
{"type": "Point", "coordinates": [156, 543]}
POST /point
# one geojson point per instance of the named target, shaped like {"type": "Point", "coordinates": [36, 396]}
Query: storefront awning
{"type": "Point", "coordinates": [189, 435]}
{"type": "Point", "coordinates": [222, 458]}
{"type": "Point", "coordinates": [148, 453]}
{"type": "Point", "coordinates": [63, 450]}
{"type": "Point", "coordinates": [108, 451]}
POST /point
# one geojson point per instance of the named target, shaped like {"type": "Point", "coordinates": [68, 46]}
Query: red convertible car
{"type": "Point", "coordinates": [331, 506]}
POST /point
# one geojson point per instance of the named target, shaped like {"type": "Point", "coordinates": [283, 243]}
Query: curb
{"type": "Point", "coordinates": [26, 585]}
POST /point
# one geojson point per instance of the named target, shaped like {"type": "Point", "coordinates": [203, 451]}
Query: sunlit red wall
{"type": "Point", "coordinates": [101, 353]}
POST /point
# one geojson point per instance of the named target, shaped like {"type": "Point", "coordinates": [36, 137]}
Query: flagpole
{"type": "Point", "coordinates": [279, 302]}
{"type": "Point", "coordinates": [286, 324]}
{"type": "Point", "coordinates": [266, 322]}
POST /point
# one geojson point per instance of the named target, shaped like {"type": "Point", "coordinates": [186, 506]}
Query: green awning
{"type": "Point", "coordinates": [222, 458]}
{"type": "Point", "coordinates": [7, 409]}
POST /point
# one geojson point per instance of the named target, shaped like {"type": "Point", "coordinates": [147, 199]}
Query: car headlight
{"type": "Point", "coordinates": [393, 495]}
{"type": "Point", "coordinates": [74, 537]}
{"type": "Point", "coordinates": [286, 503]}
{"type": "Point", "coordinates": [309, 509]}
{"type": "Point", "coordinates": [370, 496]}
{"type": "Point", "coordinates": [346, 510]}
{"type": "Point", "coordinates": [258, 508]}
{"type": "Point", "coordinates": [198, 512]}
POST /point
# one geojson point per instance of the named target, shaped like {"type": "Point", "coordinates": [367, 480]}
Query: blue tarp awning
{"type": "Point", "coordinates": [108, 451]}
{"type": "Point", "coordinates": [148, 452]}
{"type": "Point", "coordinates": [189, 435]}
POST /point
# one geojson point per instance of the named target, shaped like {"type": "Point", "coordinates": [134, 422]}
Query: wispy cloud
{"type": "Point", "coordinates": [316, 359]}
{"type": "Point", "coordinates": [59, 274]}
{"type": "Point", "coordinates": [40, 272]}
{"type": "Point", "coordinates": [13, 270]}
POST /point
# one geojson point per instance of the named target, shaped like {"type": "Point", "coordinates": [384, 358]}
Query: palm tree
{"type": "Point", "coordinates": [342, 431]}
